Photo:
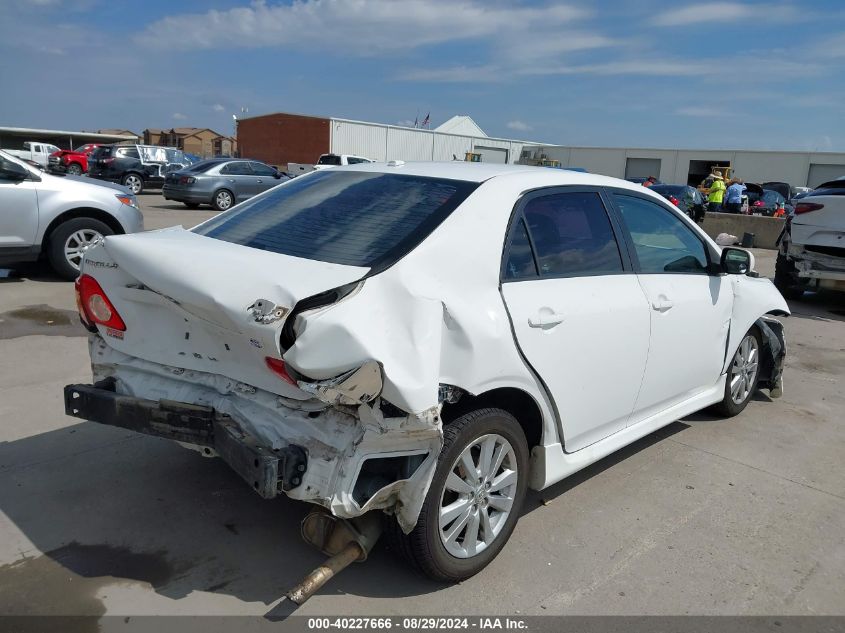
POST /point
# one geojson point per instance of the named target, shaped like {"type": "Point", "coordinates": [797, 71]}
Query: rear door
{"type": "Point", "coordinates": [690, 308]}
{"type": "Point", "coordinates": [578, 312]}
{"type": "Point", "coordinates": [240, 179]}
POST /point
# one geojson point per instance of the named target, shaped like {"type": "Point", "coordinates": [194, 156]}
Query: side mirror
{"type": "Point", "coordinates": [736, 261]}
{"type": "Point", "coordinates": [13, 172]}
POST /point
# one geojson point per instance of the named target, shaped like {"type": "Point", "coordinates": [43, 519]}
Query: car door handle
{"type": "Point", "coordinates": [546, 319]}
{"type": "Point", "coordinates": [662, 304]}
{"type": "Point", "coordinates": [260, 181]}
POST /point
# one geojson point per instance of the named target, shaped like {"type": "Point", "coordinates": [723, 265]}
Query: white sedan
{"type": "Point", "coordinates": [426, 341]}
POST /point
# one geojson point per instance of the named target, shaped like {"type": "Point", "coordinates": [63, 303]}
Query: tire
{"type": "Point", "coordinates": [732, 404]}
{"type": "Point", "coordinates": [134, 182]}
{"type": "Point", "coordinates": [192, 205]}
{"type": "Point", "coordinates": [223, 200]}
{"type": "Point", "coordinates": [786, 278]}
{"type": "Point", "coordinates": [74, 169]}
{"type": "Point", "coordinates": [450, 560]}
{"type": "Point", "coordinates": [73, 236]}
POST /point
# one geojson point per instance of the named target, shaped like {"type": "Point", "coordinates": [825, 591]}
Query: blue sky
{"type": "Point", "coordinates": [651, 73]}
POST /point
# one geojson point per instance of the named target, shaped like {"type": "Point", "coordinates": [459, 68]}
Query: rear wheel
{"type": "Point", "coordinates": [74, 169]}
{"type": "Point", "coordinates": [223, 200]}
{"type": "Point", "coordinates": [786, 278]}
{"type": "Point", "coordinates": [474, 500]}
{"type": "Point", "coordinates": [134, 183]}
{"type": "Point", "coordinates": [743, 375]}
{"type": "Point", "coordinates": [69, 242]}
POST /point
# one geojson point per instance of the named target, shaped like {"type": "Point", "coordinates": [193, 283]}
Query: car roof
{"type": "Point", "coordinates": [480, 172]}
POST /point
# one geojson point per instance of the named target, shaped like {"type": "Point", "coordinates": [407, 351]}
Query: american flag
{"type": "Point", "coordinates": [426, 120]}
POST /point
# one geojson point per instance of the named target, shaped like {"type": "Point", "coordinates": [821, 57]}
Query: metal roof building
{"type": "Point", "coordinates": [14, 137]}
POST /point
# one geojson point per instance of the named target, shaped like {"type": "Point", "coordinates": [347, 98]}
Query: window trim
{"type": "Point", "coordinates": [517, 215]}
{"type": "Point", "coordinates": [712, 269]}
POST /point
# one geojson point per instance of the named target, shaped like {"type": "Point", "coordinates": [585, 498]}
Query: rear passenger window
{"type": "Point", "coordinates": [663, 242]}
{"type": "Point", "coordinates": [520, 261]}
{"type": "Point", "coordinates": [240, 168]}
{"type": "Point", "coordinates": [572, 235]}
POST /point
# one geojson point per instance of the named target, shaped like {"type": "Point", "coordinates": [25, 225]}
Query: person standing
{"type": "Point", "coordinates": [716, 193]}
{"type": "Point", "coordinates": [733, 196]}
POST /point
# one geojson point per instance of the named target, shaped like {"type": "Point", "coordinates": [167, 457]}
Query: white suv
{"type": "Point", "coordinates": [58, 216]}
{"type": "Point", "coordinates": [812, 246]}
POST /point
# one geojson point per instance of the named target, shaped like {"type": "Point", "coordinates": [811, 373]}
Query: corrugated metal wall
{"type": "Point", "coordinates": [387, 142]}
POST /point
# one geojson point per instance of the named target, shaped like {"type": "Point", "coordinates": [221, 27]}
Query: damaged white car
{"type": "Point", "coordinates": [427, 341]}
{"type": "Point", "coordinates": [812, 245]}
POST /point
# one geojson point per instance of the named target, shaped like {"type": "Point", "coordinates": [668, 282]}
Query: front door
{"type": "Point", "coordinates": [18, 209]}
{"type": "Point", "coordinates": [240, 179]}
{"type": "Point", "coordinates": [690, 309]}
{"type": "Point", "coordinates": [578, 312]}
{"type": "Point", "coordinates": [265, 177]}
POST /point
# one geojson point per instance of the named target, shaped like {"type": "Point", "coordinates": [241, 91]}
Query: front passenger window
{"type": "Point", "coordinates": [662, 241]}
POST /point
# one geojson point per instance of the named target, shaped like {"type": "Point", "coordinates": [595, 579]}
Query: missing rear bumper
{"type": "Point", "coordinates": [267, 470]}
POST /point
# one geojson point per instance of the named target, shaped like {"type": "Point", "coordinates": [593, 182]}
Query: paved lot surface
{"type": "Point", "coordinates": [708, 516]}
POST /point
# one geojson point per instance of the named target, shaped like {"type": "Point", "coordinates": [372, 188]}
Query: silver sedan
{"type": "Point", "coordinates": [220, 182]}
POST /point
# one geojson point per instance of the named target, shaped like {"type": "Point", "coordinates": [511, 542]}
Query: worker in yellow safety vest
{"type": "Point", "coordinates": [716, 195]}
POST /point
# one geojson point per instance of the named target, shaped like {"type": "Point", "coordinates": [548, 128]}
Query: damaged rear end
{"type": "Point", "coordinates": [196, 336]}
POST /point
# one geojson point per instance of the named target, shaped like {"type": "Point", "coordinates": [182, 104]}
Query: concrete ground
{"type": "Point", "coordinates": [707, 516]}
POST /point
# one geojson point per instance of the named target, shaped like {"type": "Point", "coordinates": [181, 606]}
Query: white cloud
{"type": "Point", "coordinates": [364, 27]}
{"type": "Point", "coordinates": [217, 107]}
{"type": "Point", "coordinates": [724, 12]}
{"type": "Point", "coordinates": [518, 125]}
{"type": "Point", "coordinates": [405, 123]}
{"type": "Point", "coordinates": [701, 111]}
{"type": "Point", "coordinates": [179, 116]}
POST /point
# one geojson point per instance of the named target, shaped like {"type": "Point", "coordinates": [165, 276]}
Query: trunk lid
{"type": "Point", "coordinates": [186, 298]}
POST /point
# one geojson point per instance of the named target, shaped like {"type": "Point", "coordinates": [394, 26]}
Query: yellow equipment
{"type": "Point", "coordinates": [472, 157]}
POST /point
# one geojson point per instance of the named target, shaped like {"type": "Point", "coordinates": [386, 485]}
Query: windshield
{"type": "Point", "coordinates": [18, 161]}
{"type": "Point", "coordinates": [352, 218]}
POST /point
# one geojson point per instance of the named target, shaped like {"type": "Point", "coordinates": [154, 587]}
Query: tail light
{"type": "Point", "coordinates": [277, 366]}
{"type": "Point", "coordinates": [674, 201]}
{"type": "Point", "coordinates": [757, 203]}
{"type": "Point", "coordinates": [187, 180]}
{"type": "Point", "coordinates": [94, 306]}
{"type": "Point", "coordinates": [806, 207]}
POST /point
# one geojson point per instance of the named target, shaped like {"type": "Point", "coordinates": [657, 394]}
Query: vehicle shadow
{"type": "Point", "coordinates": [825, 305]}
{"type": "Point", "coordinates": [32, 271]}
{"type": "Point", "coordinates": [104, 503]}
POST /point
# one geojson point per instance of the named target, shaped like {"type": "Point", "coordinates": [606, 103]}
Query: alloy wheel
{"type": "Point", "coordinates": [224, 200]}
{"type": "Point", "coordinates": [134, 183]}
{"type": "Point", "coordinates": [744, 369]}
{"type": "Point", "coordinates": [77, 243]}
{"type": "Point", "coordinates": [478, 496]}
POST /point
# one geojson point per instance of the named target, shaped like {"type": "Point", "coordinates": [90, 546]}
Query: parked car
{"type": "Point", "coordinates": [687, 199]}
{"type": "Point", "coordinates": [58, 217]}
{"type": "Point", "coordinates": [220, 182]}
{"type": "Point", "coordinates": [766, 202]}
{"type": "Point", "coordinates": [811, 251]}
{"type": "Point", "coordinates": [783, 188]}
{"type": "Point", "coordinates": [326, 161]}
{"type": "Point", "coordinates": [73, 162]}
{"type": "Point", "coordinates": [425, 340]}
{"type": "Point", "coordinates": [35, 151]}
{"type": "Point", "coordinates": [640, 181]}
{"type": "Point", "coordinates": [136, 167]}
{"type": "Point", "coordinates": [800, 192]}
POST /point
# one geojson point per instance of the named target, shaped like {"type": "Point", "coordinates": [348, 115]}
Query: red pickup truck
{"type": "Point", "coordinates": [74, 162]}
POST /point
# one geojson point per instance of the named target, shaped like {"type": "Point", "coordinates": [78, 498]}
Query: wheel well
{"type": "Point", "coordinates": [85, 212]}
{"type": "Point", "coordinates": [515, 401]}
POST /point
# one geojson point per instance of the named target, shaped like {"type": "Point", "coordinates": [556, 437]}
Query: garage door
{"type": "Point", "coordinates": [492, 154]}
{"type": "Point", "coordinates": [642, 167]}
{"type": "Point", "coordinates": [821, 172]}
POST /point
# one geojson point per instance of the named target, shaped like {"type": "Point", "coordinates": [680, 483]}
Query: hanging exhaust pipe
{"type": "Point", "coordinates": [343, 541]}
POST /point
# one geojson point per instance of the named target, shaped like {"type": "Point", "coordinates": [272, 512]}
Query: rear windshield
{"type": "Point", "coordinates": [832, 188]}
{"type": "Point", "coordinates": [353, 218]}
{"type": "Point", "coordinates": [202, 166]}
{"type": "Point", "coordinates": [329, 159]}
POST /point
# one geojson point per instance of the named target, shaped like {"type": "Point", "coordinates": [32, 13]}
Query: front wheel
{"type": "Point", "coordinates": [223, 200]}
{"type": "Point", "coordinates": [743, 375]}
{"type": "Point", "coordinates": [74, 169]}
{"type": "Point", "coordinates": [474, 500]}
{"type": "Point", "coordinates": [70, 240]}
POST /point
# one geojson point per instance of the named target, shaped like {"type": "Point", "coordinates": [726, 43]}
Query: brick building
{"type": "Point", "coordinates": [203, 142]}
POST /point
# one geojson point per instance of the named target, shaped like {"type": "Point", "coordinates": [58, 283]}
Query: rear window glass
{"type": "Point", "coordinates": [351, 218]}
{"type": "Point", "coordinates": [202, 166]}
{"type": "Point", "coordinates": [329, 159]}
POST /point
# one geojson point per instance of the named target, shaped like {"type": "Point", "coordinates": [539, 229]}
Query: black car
{"type": "Point", "coordinates": [687, 199]}
{"type": "Point", "coordinates": [765, 201]}
{"type": "Point", "coordinates": [137, 167]}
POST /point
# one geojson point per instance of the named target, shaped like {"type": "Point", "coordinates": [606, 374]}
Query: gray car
{"type": "Point", "coordinates": [220, 182]}
{"type": "Point", "coordinates": [59, 217]}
